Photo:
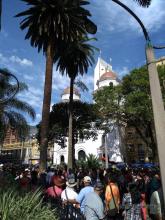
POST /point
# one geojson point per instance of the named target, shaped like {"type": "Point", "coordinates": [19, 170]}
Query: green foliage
{"type": "Point", "coordinates": [12, 112]}
{"type": "Point", "coordinates": [54, 20]}
{"type": "Point", "coordinates": [83, 117]}
{"type": "Point", "coordinates": [75, 57]}
{"type": "Point", "coordinates": [91, 162]}
{"type": "Point", "coordinates": [130, 103]}
{"type": "Point", "coordinates": [144, 3]}
{"type": "Point", "coordinates": [15, 207]}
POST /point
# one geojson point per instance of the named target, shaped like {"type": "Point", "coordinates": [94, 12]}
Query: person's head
{"type": "Point", "coordinates": [135, 193]}
{"type": "Point", "coordinates": [98, 188]}
{"type": "Point", "coordinates": [58, 181]}
{"type": "Point", "coordinates": [87, 180]}
{"type": "Point", "coordinates": [112, 179]}
{"type": "Point", "coordinates": [71, 182]}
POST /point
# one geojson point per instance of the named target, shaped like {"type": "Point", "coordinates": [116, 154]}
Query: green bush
{"type": "Point", "coordinates": [27, 207]}
{"type": "Point", "coordinates": [91, 162]}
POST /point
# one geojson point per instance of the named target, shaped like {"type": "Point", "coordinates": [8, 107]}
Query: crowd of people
{"type": "Point", "coordinates": [128, 194]}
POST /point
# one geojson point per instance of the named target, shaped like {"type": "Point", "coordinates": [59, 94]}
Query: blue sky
{"type": "Point", "coordinates": [119, 38]}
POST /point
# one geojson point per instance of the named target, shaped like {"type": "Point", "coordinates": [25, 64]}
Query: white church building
{"type": "Point", "coordinates": [103, 76]}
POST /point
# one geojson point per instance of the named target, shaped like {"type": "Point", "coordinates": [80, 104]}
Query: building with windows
{"type": "Point", "coordinates": [137, 150]}
{"type": "Point", "coordinates": [103, 76]}
{"type": "Point", "coordinates": [17, 149]}
{"type": "Point", "coordinates": [160, 61]}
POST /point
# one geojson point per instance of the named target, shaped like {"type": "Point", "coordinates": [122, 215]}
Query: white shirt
{"type": "Point", "coordinates": [71, 194]}
{"type": "Point", "coordinates": [155, 205]}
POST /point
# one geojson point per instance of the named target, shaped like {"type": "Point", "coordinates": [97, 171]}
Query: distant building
{"type": "Point", "coordinates": [20, 150]}
{"type": "Point", "coordinates": [66, 93]}
{"type": "Point", "coordinates": [103, 76]}
{"type": "Point", "coordinates": [136, 148]}
{"type": "Point", "coordinates": [160, 61]}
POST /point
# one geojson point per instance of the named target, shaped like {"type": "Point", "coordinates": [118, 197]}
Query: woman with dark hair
{"type": "Point", "coordinates": [131, 203]}
{"type": "Point", "coordinates": [112, 198]}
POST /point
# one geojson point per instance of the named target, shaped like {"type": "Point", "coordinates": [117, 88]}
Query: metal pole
{"type": "Point", "coordinates": [156, 95]}
{"type": "Point", "coordinates": [158, 110]}
{"type": "Point", "coordinates": [106, 153]}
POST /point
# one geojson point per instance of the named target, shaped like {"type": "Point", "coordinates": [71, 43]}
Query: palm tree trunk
{"type": "Point", "coordinates": [70, 142]}
{"type": "Point", "coordinates": [46, 108]}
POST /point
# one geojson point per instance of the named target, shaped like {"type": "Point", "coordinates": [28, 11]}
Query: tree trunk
{"type": "Point", "coordinates": [46, 108]}
{"type": "Point", "coordinates": [158, 110]}
{"type": "Point", "coordinates": [70, 142]}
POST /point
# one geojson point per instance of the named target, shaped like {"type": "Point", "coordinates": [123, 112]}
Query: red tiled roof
{"type": "Point", "coordinates": [108, 75]}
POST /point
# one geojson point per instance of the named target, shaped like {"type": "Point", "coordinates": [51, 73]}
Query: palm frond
{"type": "Point", "coordinates": [51, 21]}
{"type": "Point", "coordinates": [81, 85]}
{"type": "Point", "coordinates": [21, 106]}
{"type": "Point", "coordinates": [16, 121]}
{"type": "Point", "coordinates": [144, 3]}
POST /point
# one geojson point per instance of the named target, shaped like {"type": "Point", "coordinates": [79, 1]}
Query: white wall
{"type": "Point", "coordinates": [65, 97]}
{"type": "Point", "coordinates": [107, 82]}
{"type": "Point", "coordinates": [100, 69]}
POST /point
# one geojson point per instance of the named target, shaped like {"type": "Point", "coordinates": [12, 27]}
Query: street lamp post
{"type": "Point", "coordinates": [156, 95]}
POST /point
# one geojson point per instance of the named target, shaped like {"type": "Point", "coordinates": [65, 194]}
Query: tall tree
{"type": "Point", "coordinates": [12, 112]}
{"type": "Point", "coordinates": [47, 22]}
{"type": "Point", "coordinates": [84, 116]}
{"type": "Point", "coordinates": [75, 59]}
{"type": "Point", "coordinates": [130, 103]}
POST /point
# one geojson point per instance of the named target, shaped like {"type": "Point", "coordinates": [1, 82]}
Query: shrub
{"type": "Point", "coordinates": [28, 207]}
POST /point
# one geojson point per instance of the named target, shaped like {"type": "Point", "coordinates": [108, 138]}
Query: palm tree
{"type": "Point", "coordinates": [75, 59]}
{"type": "Point", "coordinates": [47, 22]}
{"type": "Point", "coordinates": [12, 112]}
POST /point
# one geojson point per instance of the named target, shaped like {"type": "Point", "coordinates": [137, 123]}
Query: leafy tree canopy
{"type": "Point", "coordinates": [84, 118]}
{"type": "Point", "coordinates": [12, 112]}
{"type": "Point", "coordinates": [130, 102]}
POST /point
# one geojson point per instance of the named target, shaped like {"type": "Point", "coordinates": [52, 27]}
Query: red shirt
{"type": "Point", "coordinates": [56, 192]}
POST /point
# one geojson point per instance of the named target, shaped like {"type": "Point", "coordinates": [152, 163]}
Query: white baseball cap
{"type": "Point", "coordinates": [87, 179]}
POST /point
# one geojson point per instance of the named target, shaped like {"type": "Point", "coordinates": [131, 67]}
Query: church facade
{"type": "Point", "coordinates": [108, 144]}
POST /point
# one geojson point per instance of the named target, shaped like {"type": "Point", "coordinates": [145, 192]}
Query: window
{"type": "Point", "coordinates": [62, 159]}
{"type": "Point", "coordinates": [81, 155]}
{"type": "Point", "coordinates": [103, 140]}
{"type": "Point", "coordinates": [111, 84]}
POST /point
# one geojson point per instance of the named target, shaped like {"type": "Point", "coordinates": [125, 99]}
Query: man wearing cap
{"type": "Point", "coordinates": [94, 209]}
{"type": "Point", "coordinates": [83, 192]}
{"type": "Point", "coordinates": [69, 192]}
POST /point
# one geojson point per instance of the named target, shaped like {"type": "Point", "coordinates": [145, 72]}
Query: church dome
{"type": "Point", "coordinates": [67, 91]}
{"type": "Point", "coordinates": [108, 75]}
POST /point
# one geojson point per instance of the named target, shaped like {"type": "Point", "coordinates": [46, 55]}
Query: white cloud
{"type": "Point", "coordinates": [28, 77]}
{"type": "Point", "coordinates": [4, 33]}
{"type": "Point", "coordinates": [114, 18]}
{"type": "Point", "coordinates": [38, 116]}
{"type": "Point", "coordinates": [22, 62]}
{"type": "Point", "coordinates": [123, 71]}
{"type": "Point", "coordinates": [3, 59]}
{"type": "Point", "coordinates": [59, 82]}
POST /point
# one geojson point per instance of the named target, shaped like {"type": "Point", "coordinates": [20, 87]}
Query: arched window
{"type": "Point", "coordinates": [111, 84]}
{"type": "Point", "coordinates": [81, 155]}
{"type": "Point", "coordinates": [62, 159]}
